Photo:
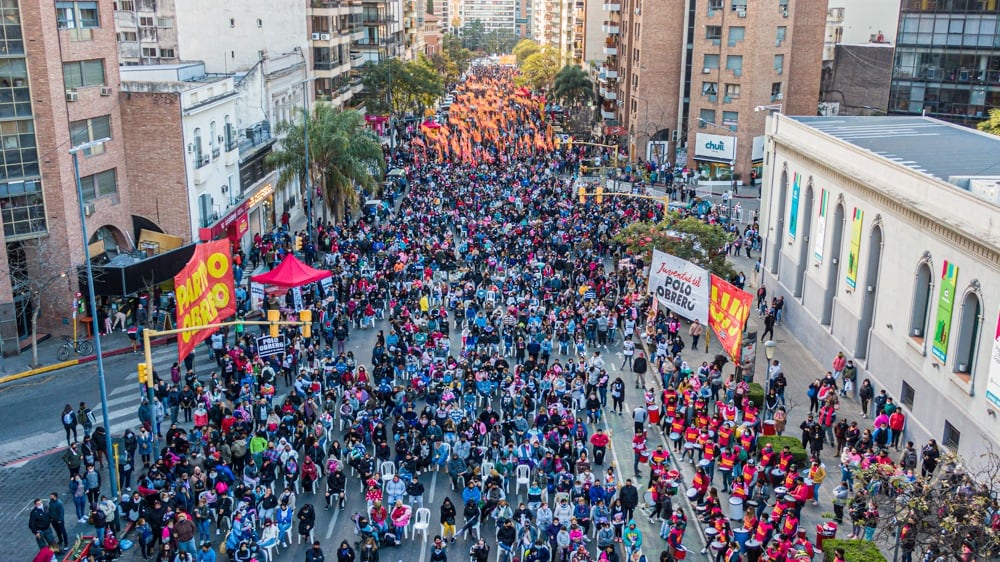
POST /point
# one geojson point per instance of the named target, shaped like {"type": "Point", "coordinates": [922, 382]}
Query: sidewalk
{"type": "Point", "coordinates": [19, 367]}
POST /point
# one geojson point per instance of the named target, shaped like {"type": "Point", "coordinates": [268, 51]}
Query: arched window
{"type": "Point", "coordinates": [230, 137]}
{"type": "Point", "coordinates": [921, 301]}
{"type": "Point", "coordinates": [970, 323]}
{"type": "Point", "coordinates": [197, 145]}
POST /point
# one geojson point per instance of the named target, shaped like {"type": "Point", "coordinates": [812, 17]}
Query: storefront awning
{"type": "Point", "coordinates": [126, 274]}
{"type": "Point", "coordinates": [711, 159]}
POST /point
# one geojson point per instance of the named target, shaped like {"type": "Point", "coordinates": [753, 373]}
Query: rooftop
{"type": "Point", "coordinates": [930, 146]}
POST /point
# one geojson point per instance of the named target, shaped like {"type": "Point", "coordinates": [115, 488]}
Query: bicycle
{"type": "Point", "coordinates": [69, 346]}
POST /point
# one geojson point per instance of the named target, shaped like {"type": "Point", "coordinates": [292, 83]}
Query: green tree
{"type": "Point", "coordinates": [991, 125]}
{"type": "Point", "coordinates": [430, 6]}
{"type": "Point", "coordinates": [524, 49]}
{"type": "Point", "coordinates": [456, 53]}
{"type": "Point", "coordinates": [685, 237]}
{"type": "Point", "coordinates": [539, 70]}
{"type": "Point", "coordinates": [472, 35]}
{"type": "Point", "coordinates": [344, 154]}
{"type": "Point", "coordinates": [400, 87]}
{"type": "Point", "coordinates": [572, 86]}
{"type": "Point", "coordinates": [499, 41]}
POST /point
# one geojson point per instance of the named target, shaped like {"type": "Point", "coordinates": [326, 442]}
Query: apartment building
{"type": "Point", "coordinates": [710, 100]}
{"type": "Point", "coordinates": [382, 23]}
{"type": "Point", "coordinates": [334, 26]}
{"type": "Point", "coordinates": [947, 60]}
{"type": "Point", "coordinates": [555, 24]}
{"type": "Point", "coordinates": [64, 94]}
{"type": "Point", "coordinates": [494, 14]}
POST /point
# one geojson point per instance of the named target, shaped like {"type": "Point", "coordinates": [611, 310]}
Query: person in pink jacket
{"type": "Point", "coordinates": [839, 362]}
{"type": "Point", "coordinates": [400, 518]}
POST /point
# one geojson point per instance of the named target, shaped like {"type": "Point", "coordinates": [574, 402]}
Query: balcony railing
{"type": "Point", "coordinates": [254, 136]}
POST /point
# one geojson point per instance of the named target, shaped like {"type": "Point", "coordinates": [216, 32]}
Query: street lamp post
{"type": "Point", "coordinates": [770, 347]}
{"type": "Point", "coordinates": [305, 134]}
{"type": "Point", "coordinates": [93, 305]}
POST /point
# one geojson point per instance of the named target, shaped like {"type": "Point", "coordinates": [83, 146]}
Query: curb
{"type": "Point", "coordinates": [80, 361]}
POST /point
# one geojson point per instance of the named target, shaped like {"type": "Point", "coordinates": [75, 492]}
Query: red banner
{"type": "Point", "coordinates": [728, 310]}
{"type": "Point", "coordinates": [204, 291]}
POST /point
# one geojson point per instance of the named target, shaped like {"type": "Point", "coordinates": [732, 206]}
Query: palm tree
{"type": "Point", "coordinates": [343, 156]}
{"type": "Point", "coordinates": [572, 86]}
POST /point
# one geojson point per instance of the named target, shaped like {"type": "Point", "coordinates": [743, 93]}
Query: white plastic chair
{"type": "Point", "coordinates": [268, 555]}
{"type": "Point", "coordinates": [388, 470]}
{"type": "Point", "coordinates": [523, 475]}
{"type": "Point", "coordinates": [487, 468]}
{"type": "Point", "coordinates": [422, 522]}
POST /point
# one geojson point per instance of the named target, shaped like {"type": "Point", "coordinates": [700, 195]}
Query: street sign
{"type": "Point", "coordinates": [268, 346]}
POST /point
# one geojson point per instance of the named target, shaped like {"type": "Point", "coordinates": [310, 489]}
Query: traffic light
{"type": "Point", "coordinates": [583, 195]}
{"type": "Point", "coordinates": [306, 317]}
{"type": "Point", "coordinates": [274, 316]}
{"type": "Point", "coordinates": [599, 198]}
{"type": "Point", "coordinates": [143, 374]}
{"type": "Point", "coordinates": [298, 243]}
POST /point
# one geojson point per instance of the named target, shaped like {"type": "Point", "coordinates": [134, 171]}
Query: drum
{"type": "Point", "coordinates": [753, 550]}
{"type": "Point", "coordinates": [809, 487]}
{"type": "Point", "coordinates": [711, 533]}
{"type": "Point", "coordinates": [777, 476]}
{"type": "Point", "coordinates": [735, 508]}
{"type": "Point", "coordinates": [653, 414]}
{"type": "Point", "coordinates": [769, 428]}
{"type": "Point", "coordinates": [644, 457]}
{"type": "Point", "coordinates": [703, 463]}
{"type": "Point", "coordinates": [689, 446]}
{"type": "Point", "coordinates": [780, 492]}
{"type": "Point", "coordinates": [680, 553]}
{"type": "Point", "coordinates": [674, 436]}
{"type": "Point", "coordinates": [718, 546]}
{"type": "Point", "coordinates": [692, 493]}
{"type": "Point", "coordinates": [742, 536]}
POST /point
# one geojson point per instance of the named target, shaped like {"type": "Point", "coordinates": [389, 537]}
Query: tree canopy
{"type": "Point", "coordinates": [476, 37]}
{"type": "Point", "coordinates": [685, 237]}
{"type": "Point", "coordinates": [539, 69]}
{"type": "Point", "coordinates": [524, 49]}
{"type": "Point", "coordinates": [572, 86]}
{"type": "Point", "coordinates": [344, 155]}
{"type": "Point", "coordinates": [991, 125]}
{"type": "Point", "coordinates": [401, 87]}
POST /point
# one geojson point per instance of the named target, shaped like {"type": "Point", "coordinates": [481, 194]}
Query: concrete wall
{"type": "Point", "coordinates": [204, 31]}
{"type": "Point", "coordinates": [905, 206]}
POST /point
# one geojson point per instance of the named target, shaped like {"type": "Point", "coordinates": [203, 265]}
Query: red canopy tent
{"type": "Point", "coordinates": [291, 273]}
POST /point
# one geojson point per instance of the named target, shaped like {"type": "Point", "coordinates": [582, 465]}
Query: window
{"type": "Point", "coordinates": [260, 22]}
{"type": "Point", "coordinates": [970, 321]}
{"type": "Point", "coordinates": [99, 185]}
{"type": "Point", "coordinates": [80, 74]}
{"type": "Point", "coordinates": [951, 436]}
{"type": "Point", "coordinates": [921, 302]}
{"type": "Point", "coordinates": [15, 97]}
{"type": "Point", "coordinates": [149, 52]}
{"type": "Point", "coordinates": [711, 61]}
{"type": "Point", "coordinates": [906, 395]}
{"type": "Point", "coordinates": [199, 159]}
{"type": "Point", "coordinates": [730, 119]}
{"type": "Point", "coordinates": [709, 88]}
{"type": "Point", "coordinates": [87, 130]}
{"type": "Point", "coordinates": [125, 5]}
{"type": "Point", "coordinates": [735, 63]}
{"type": "Point", "coordinates": [20, 155]}
{"type": "Point", "coordinates": [732, 90]}
{"type": "Point", "coordinates": [775, 89]}
{"type": "Point", "coordinates": [23, 208]}
{"type": "Point", "coordinates": [706, 116]}
{"type": "Point", "coordinates": [713, 32]}
{"type": "Point", "coordinates": [147, 21]}
{"type": "Point", "coordinates": [780, 35]}
{"type": "Point", "coordinates": [11, 42]}
{"type": "Point", "coordinates": [779, 63]}
{"type": "Point", "coordinates": [77, 15]}
{"type": "Point", "coordinates": [167, 53]}
{"type": "Point", "coordinates": [212, 140]}
{"type": "Point", "coordinates": [124, 36]}
{"type": "Point", "coordinates": [739, 5]}
{"type": "Point", "coordinates": [230, 135]}
{"type": "Point", "coordinates": [736, 34]}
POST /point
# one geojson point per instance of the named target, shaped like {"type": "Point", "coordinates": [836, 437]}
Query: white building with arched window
{"type": "Point", "coordinates": [883, 235]}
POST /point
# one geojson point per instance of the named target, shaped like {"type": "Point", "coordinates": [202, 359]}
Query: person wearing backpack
{"type": "Point", "coordinates": [908, 460]}
{"type": "Point", "coordinates": [69, 423]}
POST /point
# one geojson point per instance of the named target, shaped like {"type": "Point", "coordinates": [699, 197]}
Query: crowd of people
{"type": "Point", "coordinates": [495, 296]}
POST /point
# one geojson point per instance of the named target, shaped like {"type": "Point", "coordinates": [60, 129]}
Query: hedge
{"type": "Point", "coordinates": [856, 550]}
{"type": "Point", "coordinates": [779, 442]}
{"type": "Point", "coordinates": [757, 395]}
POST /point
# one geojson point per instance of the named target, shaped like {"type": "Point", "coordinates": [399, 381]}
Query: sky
{"type": "Point", "coordinates": [863, 18]}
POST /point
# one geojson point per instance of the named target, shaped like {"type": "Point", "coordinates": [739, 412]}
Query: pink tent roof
{"type": "Point", "coordinates": [291, 273]}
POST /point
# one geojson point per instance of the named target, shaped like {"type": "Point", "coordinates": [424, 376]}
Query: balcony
{"type": "Point", "coordinates": [612, 6]}
{"type": "Point", "coordinates": [255, 136]}
{"type": "Point", "coordinates": [202, 171]}
{"type": "Point", "coordinates": [611, 28]}
{"type": "Point", "coordinates": [357, 60]}
{"type": "Point", "coordinates": [128, 50]}
{"type": "Point", "coordinates": [611, 48]}
{"type": "Point", "coordinates": [607, 114]}
{"type": "Point", "coordinates": [124, 19]}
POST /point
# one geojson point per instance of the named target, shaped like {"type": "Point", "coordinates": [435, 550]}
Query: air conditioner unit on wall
{"type": "Point", "coordinates": [706, 71]}
{"type": "Point", "coordinates": [315, 36]}
{"type": "Point", "coordinates": [741, 13]}
{"type": "Point", "coordinates": [71, 95]}
{"type": "Point", "coordinates": [106, 91]}
{"type": "Point", "coordinates": [324, 36]}
{"type": "Point", "coordinates": [89, 209]}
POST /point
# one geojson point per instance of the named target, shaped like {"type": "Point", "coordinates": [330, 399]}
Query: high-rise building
{"type": "Point", "coordinates": [495, 15]}
{"type": "Point", "coordinates": [334, 26]}
{"type": "Point", "coordinates": [711, 99]}
{"type": "Point", "coordinates": [63, 95]}
{"type": "Point", "coordinates": [555, 24]}
{"type": "Point", "coordinates": [947, 60]}
{"type": "Point", "coordinates": [382, 21]}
